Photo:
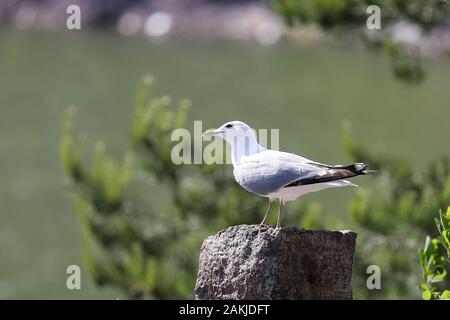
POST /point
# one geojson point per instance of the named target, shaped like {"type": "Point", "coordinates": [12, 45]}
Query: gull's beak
{"type": "Point", "coordinates": [212, 132]}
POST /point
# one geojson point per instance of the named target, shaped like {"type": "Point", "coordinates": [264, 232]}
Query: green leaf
{"type": "Point", "coordinates": [427, 244]}
{"type": "Point", "coordinates": [445, 294]}
{"type": "Point", "coordinates": [426, 295]}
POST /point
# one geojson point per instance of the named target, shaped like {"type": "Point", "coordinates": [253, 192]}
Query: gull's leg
{"type": "Point", "coordinates": [268, 210]}
{"type": "Point", "coordinates": [280, 213]}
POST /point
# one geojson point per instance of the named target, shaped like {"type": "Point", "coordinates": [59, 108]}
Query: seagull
{"type": "Point", "coordinates": [279, 175]}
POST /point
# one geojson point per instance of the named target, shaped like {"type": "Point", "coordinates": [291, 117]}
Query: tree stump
{"type": "Point", "coordinates": [252, 262]}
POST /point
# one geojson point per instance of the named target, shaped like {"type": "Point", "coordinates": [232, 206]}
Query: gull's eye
{"type": "Point", "coordinates": [229, 126]}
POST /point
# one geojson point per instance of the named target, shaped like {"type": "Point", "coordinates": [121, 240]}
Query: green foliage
{"type": "Point", "coordinates": [349, 18]}
{"type": "Point", "coordinates": [434, 261]}
{"type": "Point", "coordinates": [403, 196]}
{"type": "Point", "coordinates": [443, 226]}
{"type": "Point", "coordinates": [125, 244]}
{"type": "Point", "coordinates": [112, 242]}
{"type": "Point", "coordinates": [104, 182]}
{"type": "Point", "coordinates": [394, 215]}
{"type": "Point", "coordinates": [334, 13]}
{"type": "Point", "coordinates": [406, 64]}
{"type": "Point", "coordinates": [149, 249]}
{"type": "Point", "coordinates": [326, 13]}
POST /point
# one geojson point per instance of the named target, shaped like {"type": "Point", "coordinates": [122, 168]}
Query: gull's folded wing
{"type": "Point", "coordinates": [268, 171]}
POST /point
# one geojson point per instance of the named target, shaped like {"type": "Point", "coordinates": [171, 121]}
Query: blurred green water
{"type": "Point", "coordinates": [306, 91]}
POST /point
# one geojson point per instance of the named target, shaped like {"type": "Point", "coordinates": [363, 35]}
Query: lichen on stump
{"type": "Point", "coordinates": [252, 262]}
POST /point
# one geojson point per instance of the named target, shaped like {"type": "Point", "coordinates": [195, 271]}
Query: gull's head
{"type": "Point", "coordinates": [232, 131]}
